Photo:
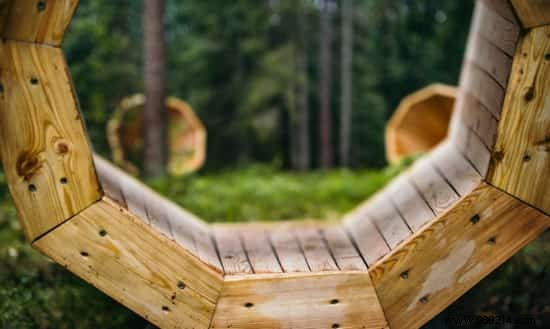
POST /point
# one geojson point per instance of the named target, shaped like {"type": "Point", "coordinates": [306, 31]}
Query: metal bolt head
{"type": "Point", "coordinates": [475, 218]}
{"type": "Point", "coordinates": [41, 5]}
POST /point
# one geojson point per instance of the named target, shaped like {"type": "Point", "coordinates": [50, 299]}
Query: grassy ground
{"type": "Point", "coordinates": [36, 293]}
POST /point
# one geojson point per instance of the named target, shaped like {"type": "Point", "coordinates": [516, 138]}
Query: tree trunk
{"type": "Point", "coordinates": [346, 67]}
{"type": "Point", "coordinates": [302, 97]}
{"type": "Point", "coordinates": [325, 86]}
{"type": "Point", "coordinates": [155, 114]}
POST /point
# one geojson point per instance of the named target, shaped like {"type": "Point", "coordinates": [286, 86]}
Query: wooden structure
{"type": "Point", "coordinates": [186, 135]}
{"type": "Point", "coordinates": [395, 261]}
{"type": "Point", "coordinates": [420, 122]}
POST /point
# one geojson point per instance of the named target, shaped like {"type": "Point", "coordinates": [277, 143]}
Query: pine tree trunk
{"type": "Point", "coordinates": [325, 86]}
{"type": "Point", "coordinates": [302, 97]}
{"type": "Point", "coordinates": [346, 70]}
{"type": "Point", "coordinates": [154, 125]}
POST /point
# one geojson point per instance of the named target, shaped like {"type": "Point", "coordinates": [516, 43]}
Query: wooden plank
{"type": "Point", "coordinates": [308, 301]}
{"type": "Point", "coordinates": [288, 250]}
{"type": "Point", "coordinates": [522, 167]}
{"type": "Point", "coordinates": [478, 154]}
{"type": "Point", "coordinates": [108, 179]}
{"type": "Point", "coordinates": [122, 256]}
{"type": "Point", "coordinates": [532, 12]}
{"type": "Point", "coordinates": [341, 247]}
{"type": "Point", "coordinates": [498, 30]}
{"type": "Point", "coordinates": [477, 117]}
{"type": "Point", "coordinates": [432, 187]}
{"type": "Point", "coordinates": [387, 220]}
{"type": "Point", "coordinates": [44, 147]}
{"type": "Point", "coordinates": [317, 254]}
{"type": "Point", "coordinates": [481, 86]}
{"type": "Point", "coordinates": [368, 239]}
{"type": "Point", "coordinates": [503, 8]}
{"type": "Point", "coordinates": [232, 253]}
{"type": "Point", "coordinates": [410, 204]}
{"type": "Point", "coordinates": [454, 167]}
{"type": "Point", "coordinates": [259, 251]}
{"type": "Point", "coordinates": [489, 58]}
{"type": "Point", "coordinates": [445, 259]}
{"type": "Point", "coordinates": [36, 21]}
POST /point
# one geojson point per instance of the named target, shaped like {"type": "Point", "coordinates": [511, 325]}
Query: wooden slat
{"type": "Point", "coordinates": [501, 32]}
{"type": "Point", "coordinates": [522, 166]}
{"type": "Point", "coordinates": [410, 204]}
{"type": "Point", "coordinates": [308, 301]}
{"type": "Point", "coordinates": [503, 8]}
{"type": "Point", "coordinates": [36, 21]}
{"type": "Point", "coordinates": [43, 142]}
{"type": "Point", "coordinates": [317, 254]}
{"type": "Point", "coordinates": [258, 248]}
{"type": "Point", "coordinates": [432, 187]}
{"type": "Point", "coordinates": [489, 58]}
{"type": "Point", "coordinates": [455, 168]}
{"type": "Point", "coordinates": [533, 12]}
{"type": "Point", "coordinates": [481, 86]}
{"type": "Point", "coordinates": [288, 250]}
{"type": "Point", "coordinates": [232, 254]}
{"type": "Point", "coordinates": [346, 256]}
{"type": "Point", "coordinates": [477, 117]}
{"type": "Point", "coordinates": [386, 218]}
{"type": "Point", "coordinates": [122, 256]}
{"type": "Point", "coordinates": [368, 239]}
{"type": "Point", "coordinates": [478, 154]}
{"type": "Point", "coordinates": [445, 259]}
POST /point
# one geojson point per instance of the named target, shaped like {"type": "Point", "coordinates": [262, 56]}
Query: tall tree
{"type": "Point", "coordinates": [325, 85]}
{"type": "Point", "coordinates": [345, 101]}
{"type": "Point", "coordinates": [155, 141]}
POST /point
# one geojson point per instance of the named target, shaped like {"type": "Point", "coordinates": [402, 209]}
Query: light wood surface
{"type": "Point", "coordinates": [288, 250]}
{"type": "Point", "coordinates": [503, 8]}
{"type": "Point", "coordinates": [451, 254]}
{"type": "Point", "coordinates": [122, 256]}
{"type": "Point", "coordinates": [532, 12]}
{"type": "Point", "coordinates": [260, 252]}
{"type": "Point", "coordinates": [36, 21]}
{"type": "Point", "coordinates": [522, 166]}
{"type": "Point", "coordinates": [44, 146]}
{"type": "Point", "coordinates": [331, 300]}
{"type": "Point", "coordinates": [317, 254]}
{"type": "Point", "coordinates": [491, 25]}
{"type": "Point", "coordinates": [345, 254]}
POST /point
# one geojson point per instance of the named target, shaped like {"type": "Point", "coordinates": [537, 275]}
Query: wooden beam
{"type": "Point", "coordinates": [446, 258]}
{"type": "Point", "coordinates": [142, 269]}
{"type": "Point", "coordinates": [43, 142]}
{"type": "Point", "coordinates": [532, 13]}
{"type": "Point", "coordinates": [521, 161]}
{"type": "Point", "coordinates": [308, 301]}
{"type": "Point", "coordinates": [36, 21]}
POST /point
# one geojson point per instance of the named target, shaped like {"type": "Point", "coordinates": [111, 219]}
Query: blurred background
{"type": "Point", "coordinates": [294, 96]}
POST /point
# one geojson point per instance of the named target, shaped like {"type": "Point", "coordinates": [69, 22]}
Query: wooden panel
{"type": "Point", "coordinates": [232, 254]}
{"type": "Point", "coordinates": [260, 253]}
{"type": "Point", "coordinates": [45, 151]}
{"type": "Point", "coordinates": [503, 8]}
{"type": "Point", "coordinates": [346, 256]}
{"type": "Point", "coordinates": [410, 204]}
{"type": "Point", "coordinates": [522, 166]}
{"type": "Point", "coordinates": [478, 154]}
{"type": "Point", "coordinates": [481, 86]}
{"type": "Point", "coordinates": [533, 12]}
{"type": "Point", "coordinates": [489, 58]}
{"type": "Point", "coordinates": [454, 167]}
{"type": "Point", "coordinates": [368, 239]}
{"type": "Point", "coordinates": [478, 118]}
{"type": "Point", "coordinates": [308, 301]}
{"type": "Point", "coordinates": [498, 30]}
{"type": "Point", "coordinates": [445, 259]}
{"type": "Point", "coordinates": [317, 254]}
{"type": "Point", "coordinates": [288, 250]}
{"type": "Point", "coordinates": [36, 21]}
{"type": "Point", "coordinates": [387, 220]}
{"type": "Point", "coordinates": [120, 255]}
{"type": "Point", "coordinates": [166, 217]}
{"type": "Point", "coordinates": [432, 187]}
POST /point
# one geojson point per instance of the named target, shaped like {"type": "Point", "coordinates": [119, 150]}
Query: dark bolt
{"type": "Point", "coordinates": [492, 240]}
{"type": "Point", "coordinates": [41, 5]}
{"type": "Point", "coordinates": [335, 326]}
{"type": "Point", "coordinates": [547, 57]}
{"type": "Point", "coordinates": [529, 95]}
{"type": "Point", "coordinates": [84, 254]}
{"type": "Point", "coordinates": [248, 305]}
{"type": "Point", "coordinates": [424, 299]}
{"type": "Point", "coordinates": [34, 81]}
{"type": "Point", "coordinates": [334, 301]}
{"type": "Point", "coordinates": [32, 188]}
{"type": "Point", "coordinates": [102, 233]}
{"type": "Point", "coordinates": [474, 219]}
{"type": "Point", "coordinates": [63, 180]}
{"type": "Point", "coordinates": [404, 274]}
{"type": "Point", "coordinates": [165, 309]}
{"type": "Point", "coordinates": [526, 158]}
{"type": "Point", "coordinates": [181, 285]}
{"type": "Point", "coordinates": [1, 88]}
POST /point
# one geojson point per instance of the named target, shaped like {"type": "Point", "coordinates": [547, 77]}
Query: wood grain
{"type": "Point", "coordinates": [450, 255]}
{"type": "Point", "coordinates": [36, 21]}
{"type": "Point", "coordinates": [122, 256]}
{"type": "Point", "coordinates": [288, 250]}
{"type": "Point", "coordinates": [232, 253]}
{"type": "Point", "coordinates": [342, 249]}
{"type": "Point", "coordinates": [315, 249]}
{"type": "Point", "coordinates": [409, 203]}
{"type": "Point", "coordinates": [532, 13]}
{"type": "Point", "coordinates": [497, 29]}
{"type": "Point", "coordinates": [521, 163]}
{"type": "Point", "coordinates": [43, 142]}
{"type": "Point", "coordinates": [489, 58]}
{"type": "Point", "coordinates": [455, 168]}
{"type": "Point", "coordinates": [260, 253]}
{"type": "Point", "coordinates": [480, 85]}
{"type": "Point", "coordinates": [503, 8]}
{"type": "Point", "coordinates": [477, 117]}
{"type": "Point", "coordinates": [309, 301]}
